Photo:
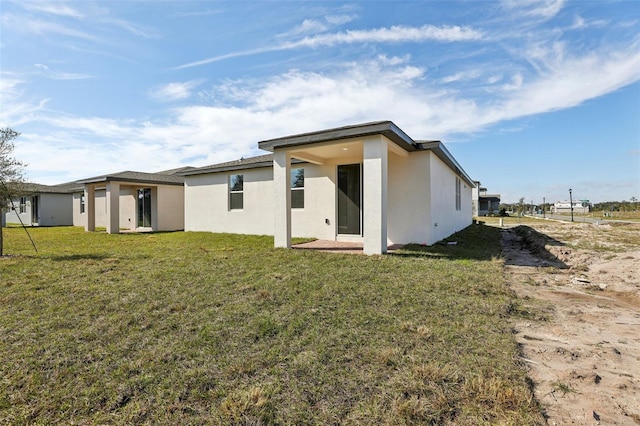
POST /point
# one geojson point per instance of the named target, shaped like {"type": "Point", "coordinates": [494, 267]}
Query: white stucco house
{"type": "Point", "coordinates": [368, 183]}
{"type": "Point", "coordinates": [579, 207]}
{"type": "Point", "coordinates": [41, 205]}
{"type": "Point", "coordinates": [134, 201]}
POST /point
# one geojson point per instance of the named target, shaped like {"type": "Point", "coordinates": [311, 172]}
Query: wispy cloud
{"type": "Point", "coordinates": [394, 34]}
{"type": "Point", "coordinates": [340, 19]}
{"type": "Point", "coordinates": [174, 91]}
{"type": "Point", "coordinates": [17, 108]}
{"type": "Point", "coordinates": [24, 24]}
{"type": "Point", "coordinates": [54, 8]}
{"type": "Point", "coordinates": [207, 12]}
{"type": "Point", "coordinates": [459, 76]}
{"type": "Point", "coordinates": [60, 75]}
{"type": "Point", "coordinates": [544, 9]}
{"type": "Point", "coordinates": [133, 28]}
{"type": "Point", "coordinates": [299, 101]}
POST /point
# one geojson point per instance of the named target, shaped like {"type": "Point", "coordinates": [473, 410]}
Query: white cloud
{"type": "Point", "coordinates": [566, 81]}
{"type": "Point", "coordinates": [42, 28]}
{"type": "Point", "coordinates": [174, 91]}
{"type": "Point", "coordinates": [60, 75]}
{"type": "Point", "coordinates": [244, 112]}
{"type": "Point", "coordinates": [459, 76]}
{"type": "Point", "coordinates": [55, 8]}
{"type": "Point", "coordinates": [394, 34]}
{"type": "Point", "coordinates": [132, 28]}
{"type": "Point", "coordinates": [340, 19]}
{"type": "Point", "coordinates": [394, 60]}
{"type": "Point", "coordinates": [16, 107]}
{"type": "Point", "coordinates": [545, 9]}
{"type": "Point", "coordinates": [307, 26]}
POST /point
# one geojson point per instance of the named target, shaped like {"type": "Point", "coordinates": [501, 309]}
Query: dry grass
{"type": "Point", "coordinates": [199, 328]}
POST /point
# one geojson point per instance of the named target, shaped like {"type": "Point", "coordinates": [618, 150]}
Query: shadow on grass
{"type": "Point", "coordinates": [85, 256]}
{"type": "Point", "coordinates": [524, 246]}
{"type": "Point", "coordinates": [476, 242]}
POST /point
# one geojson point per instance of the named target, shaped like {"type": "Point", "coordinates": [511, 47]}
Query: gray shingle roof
{"type": "Point", "coordinates": [136, 177]}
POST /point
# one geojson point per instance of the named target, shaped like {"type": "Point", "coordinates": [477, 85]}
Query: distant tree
{"type": "Point", "coordinates": [10, 171]}
{"type": "Point", "coordinates": [521, 207]}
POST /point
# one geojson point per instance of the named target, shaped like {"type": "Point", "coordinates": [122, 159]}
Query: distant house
{"type": "Point", "coordinates": [42, 205]}
{"type": "Point", "coordinates": [483, 202]}
{"type": "Point", "coordinates": [131, 201]}
{"type": "Point", "coordinates": [368, 183]}
{"type": "Point", "coordinates": [124, 200]}
{"type": "Point", "coordinates": [579, 207]}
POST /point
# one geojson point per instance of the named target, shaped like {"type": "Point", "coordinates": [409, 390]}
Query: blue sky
{"type": "Point", "coordinates": [531, 97]}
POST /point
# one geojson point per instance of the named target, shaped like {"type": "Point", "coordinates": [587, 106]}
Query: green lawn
{"type": "Point", "coordinates": [200, 328]}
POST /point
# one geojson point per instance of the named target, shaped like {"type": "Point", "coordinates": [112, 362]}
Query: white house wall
{"type": "Point", "coordinates": [207, 203]}
{"type": "Point", "coordinates": [168, 218]}
{"type": "Point", "coordinates": [53, 209]}
{"type": "Point", "coordinates": [408, 199]}
{"type": "Point", "coordinates": [319, 203]}
{"type": "Point", "coordinates": [13, 216]}
{"type": "Point", "coordinates": [171, 214]}
{"type": "Point", "coordinates": [445, 219]}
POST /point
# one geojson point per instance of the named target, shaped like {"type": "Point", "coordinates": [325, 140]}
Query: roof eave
{"type": "Point", "coordinates": [386, 128]}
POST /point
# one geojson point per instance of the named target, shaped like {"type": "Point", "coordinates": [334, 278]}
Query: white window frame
{"type": "Point", "coordinates": [235, 192]}
{"type": "Point", "coordinates": [298, 189]}
{"type": "Point", "coordinates": [23, 205]}
{"type": "Point", "coordinates": [458, 194]}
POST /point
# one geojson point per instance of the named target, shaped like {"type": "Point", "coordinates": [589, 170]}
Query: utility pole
{"type": "Point", "coordinates": [571, 204]}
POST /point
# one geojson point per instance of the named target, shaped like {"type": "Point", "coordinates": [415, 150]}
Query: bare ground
{"type": "Point", "coordinates": [580, 328]}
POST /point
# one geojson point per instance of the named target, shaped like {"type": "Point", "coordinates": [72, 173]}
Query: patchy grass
{"type": "Point", "coordinates": [200, 328]}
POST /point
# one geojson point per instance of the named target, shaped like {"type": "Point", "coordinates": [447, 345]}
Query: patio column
{"type": "Point", "coordinates": [282, 198]}
{"type": "Point", "coordinates": [375, 155]}
{"type": "Point", "coordinates": [90, 208]}
{"type": "Point", "coordinates": [113, 207]}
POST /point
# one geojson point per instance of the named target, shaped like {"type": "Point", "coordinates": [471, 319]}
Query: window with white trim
{"type": "Point", "coordinates": [458, 194]}
{"type": "Point", "coordinates": [297, 188]}
{"type": "Point", "coordinates": [23, 204]}
{"type": "Point", "coordinates": [236, 192]}
{"type": "Point", "coordinates": [82, 203]}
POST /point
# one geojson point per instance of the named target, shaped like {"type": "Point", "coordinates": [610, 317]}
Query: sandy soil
{"type": "Point", "coordinates": [580, 333]}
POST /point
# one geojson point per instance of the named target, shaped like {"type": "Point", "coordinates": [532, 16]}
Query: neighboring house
{"type": "Point", "coordinates": [369, 183]}
{"type": "Point", "coordinates": [484, 203]}
{"type": "Point", "coordinates": [42, 205]}
{"type": "Point", "coordinates": [579, 207]}
{"type": "Point", "coordinates": [132, 201]}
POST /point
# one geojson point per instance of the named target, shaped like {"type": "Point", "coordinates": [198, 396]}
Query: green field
{"type": "Point", "coordinates": [201, 328]}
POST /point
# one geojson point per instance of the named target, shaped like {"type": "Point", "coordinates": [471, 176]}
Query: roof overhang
{"type": "Point", "coordinates": [135, 178]}
{"type": "Point", "coordinates": [385, 128]}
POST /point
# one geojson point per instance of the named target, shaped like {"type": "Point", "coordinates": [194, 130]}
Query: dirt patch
{"type": "Point", "coordinates": [580, 332]}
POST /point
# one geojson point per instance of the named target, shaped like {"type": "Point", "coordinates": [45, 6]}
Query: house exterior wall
{"type": "Point", "coordinates": [169, 217]}
{"type": "Point", "coordinates": [207, 203]}
{"type": "Point", "coordinates": [13, 217]}
{"type": "Point", "coordinates": [408, 199]}
{"type": "Point", "coordinates": [319, 203]}
{"type": "Point", "coordinates": [421, 203]}
{"type": "Point", "coordinates": [169, 207]}
{"type": "Point", "coordinates": [445, 219]}
{"type": "Point", "coordinates": [53, 210]}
